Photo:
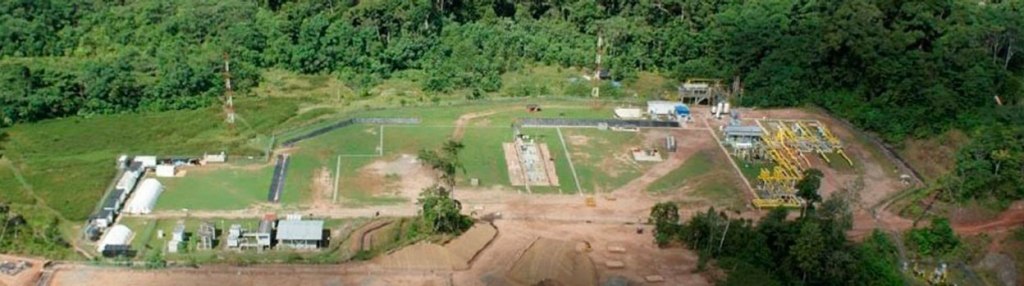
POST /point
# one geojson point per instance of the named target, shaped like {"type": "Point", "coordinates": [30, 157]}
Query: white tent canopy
{"type": "Point", "coordinates": [145, 197]}
{"type": "Point", "coordinates": [116, 235]}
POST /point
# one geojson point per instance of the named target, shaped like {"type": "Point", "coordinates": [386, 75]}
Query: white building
{"type": "Point", "coordinates": [215, 158]}
{"type": "Point", "coordinates": [116, 235]}
{"type": "Point", "coordinates": [127, 181]}
{"type": "Point", "coordinates": [145, 197]}
{"type": "Point", "coordinates": [658, 108]}
{"type": "Point", "coordinates": [628, 113]}
{"type": "Point", "coordinates": [300, 234]}
{"type": "Point", "coordinates": [165, 170]}
{"type": "Point", "coordinates": [147, 161]}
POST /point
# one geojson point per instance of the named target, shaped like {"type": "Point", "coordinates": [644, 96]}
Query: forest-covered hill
{"type": "Point", "coordinates": [896, 67]}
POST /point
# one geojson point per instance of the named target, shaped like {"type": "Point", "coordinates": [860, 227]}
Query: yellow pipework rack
{"type": "Point", "coordinates": [784, 142]}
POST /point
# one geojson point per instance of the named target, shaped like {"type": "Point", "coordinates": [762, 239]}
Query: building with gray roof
{"type": "Point", "coordinates": [300, 234]}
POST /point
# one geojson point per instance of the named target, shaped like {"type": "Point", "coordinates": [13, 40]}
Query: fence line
{"type": "Point", "coordinates": [565, 122]}
{"type": "Point", "coordinates": [347, 122]}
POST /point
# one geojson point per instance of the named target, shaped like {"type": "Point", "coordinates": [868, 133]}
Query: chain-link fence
{"type": "Point", "coordinates": [347, 122]}
{"type": "Point", "coordinates": [565, 122]}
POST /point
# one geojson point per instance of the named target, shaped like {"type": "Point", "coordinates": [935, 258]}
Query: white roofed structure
{"type": "Point", "coordinates": [147, 161]}
{"type": "Point", "coordinates": [659, 107]}
{"type": "Point", "coordinates": [116, 235]}
{"type": "Point", "coordinates": [629, 113]}
{"type": "Point", "coordinates": [165, 170]}
{"type": "Point", "coordinates": [145, 197]}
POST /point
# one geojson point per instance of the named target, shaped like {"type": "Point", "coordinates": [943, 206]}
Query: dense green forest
{"type": "Point", "coordinates": [896, 67]}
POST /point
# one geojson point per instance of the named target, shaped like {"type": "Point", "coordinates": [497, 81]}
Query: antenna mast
{"type": "Point", "coordinates": [229, 102]}
{"type": "Point", "coordinates": [596, 89]}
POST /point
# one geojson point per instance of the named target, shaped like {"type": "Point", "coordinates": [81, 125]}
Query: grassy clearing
{"type": "Point", "coordinates": [707, 174]}
{"type": "Point", "coordinates": [281, 83]}
{"type": "Point", "coordinates": [533, 81]}
{"type": "Point", "coordinates": [602, 159]}
{"type": "Point", "coordinates": [220, 189]}
{"type": "Point", "coordinates": [64, 172]}
{"type": "Point", "coordinates": [696, 166]}
{"type": "Point", "coordinates": [484, 157]}
{"type": "Point", "coordinates": [13, 192]}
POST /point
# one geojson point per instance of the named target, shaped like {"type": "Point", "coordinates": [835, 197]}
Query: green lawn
{"type": "Point", "coordinates": [69, 162]}
{"type": "Point", "coordinates": [695, 166]}
{"type": "Point", "coordinates": [710, 177]}
{"type": "Point", "coordinates": [603, 162]}
{"type": "Point", "coordinates": [217, 189]}
{"type": "Point", "coordinates": [484, 157]}
{"type": "Point", "coordinates": [13, 191]}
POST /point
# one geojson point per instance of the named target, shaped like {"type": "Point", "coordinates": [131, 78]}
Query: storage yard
{"type": "Point", "coordinates": [556, 179]}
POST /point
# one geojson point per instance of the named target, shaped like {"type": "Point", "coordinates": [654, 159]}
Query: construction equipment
{"type": "Point", "coordinates": [591, 202]}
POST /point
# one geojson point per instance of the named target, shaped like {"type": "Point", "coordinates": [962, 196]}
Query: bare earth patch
{"type": "Point", "coordinates": [403, 176]}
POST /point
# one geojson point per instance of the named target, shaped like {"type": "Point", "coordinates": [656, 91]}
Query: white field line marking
{"type": "Point", "coordinates": [579, 189]}
{"type": "Point", "coordinates": [337, 175]}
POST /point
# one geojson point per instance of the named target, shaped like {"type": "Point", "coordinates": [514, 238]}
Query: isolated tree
{"type": "Point", "coordinates": [807, 188]}
{"type": "Point", "coordinates": [664, 212]}
{"type": "Point", "coordinates": [665, 217]}
{"type": "Point", "coordinates": [446, 162]}
{"type": "Point", "coordinates": [441, 212]}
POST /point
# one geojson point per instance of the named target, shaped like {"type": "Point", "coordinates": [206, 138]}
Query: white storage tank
{"type": "Point", "coordinates": [726, 111]}
{"type": "Point", "coordinates": [145, 197]}
{"type": "Point", "coordinates": [116, 235]}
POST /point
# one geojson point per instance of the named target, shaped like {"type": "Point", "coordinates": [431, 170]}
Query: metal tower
{"type": "Point", "coordinates": [229, 102]}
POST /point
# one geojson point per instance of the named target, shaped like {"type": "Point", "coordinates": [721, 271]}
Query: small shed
{"type": "Point", "coordinates": [215, 158]}
{"type": "Point", "coordinates": [102, 219]}
{"type": "Point", "coordinates": [122, 162]}
{"type": "Point", "coordinates": [147, 161]}
{"type": "Point", "coordinates": [179, 232]}
{"type": "Point", "coordinates": [145, 198]}
{"type": "Point", "coordinates": [300, 234]}
{"type": "Point", "coordinates": [165, 170]}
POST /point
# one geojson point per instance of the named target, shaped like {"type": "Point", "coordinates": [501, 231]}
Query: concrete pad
{"type": "Point", "coordinates": [615, 264]}
{"type": "Point", "coordinates": [654, 278]}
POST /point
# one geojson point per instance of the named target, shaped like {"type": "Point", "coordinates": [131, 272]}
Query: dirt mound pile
{"type": "Point", "coordinates": [424, 256]}
{"type": "Point", "coordinates": [554, 261]}
{"type": "Point", "coordinates": [456, 255]}
{"type": "Point", "coordinates": [467, 245]}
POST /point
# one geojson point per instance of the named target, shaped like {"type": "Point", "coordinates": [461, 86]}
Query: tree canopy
{"type": "Point", "coordinates": [909, 68]}
{"type": "Point", "coordinates": [812, 250]}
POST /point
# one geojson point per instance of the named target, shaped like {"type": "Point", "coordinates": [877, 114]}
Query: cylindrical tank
{"type": "Point", "coordinates": [726, 110]}
{"type": "Point", "coordinates": [714, 109]}
{"type": "Point", "coordinates": [721, 107]}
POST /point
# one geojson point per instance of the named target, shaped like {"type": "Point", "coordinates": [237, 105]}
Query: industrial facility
{"type": "Point", "coordinates": [782, 143]}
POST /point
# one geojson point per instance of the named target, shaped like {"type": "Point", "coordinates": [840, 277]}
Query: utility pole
{"type": "Point", "coordinates": [229, 102]}
{"type": "Point", "coordinates": [596, 89]}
